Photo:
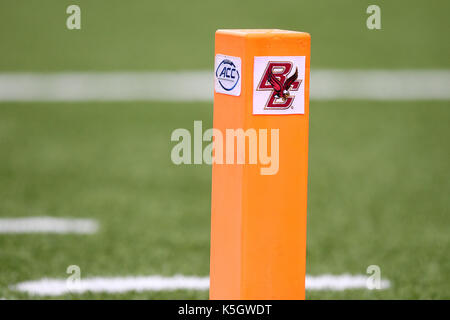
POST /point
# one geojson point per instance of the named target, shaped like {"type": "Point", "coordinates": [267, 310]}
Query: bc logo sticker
{"type": "Point", "coordinates": [227, 75]}
{"type": "Point", "coordinates": [279, 85]}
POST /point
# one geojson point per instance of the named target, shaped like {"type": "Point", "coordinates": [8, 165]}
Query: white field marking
{"type": "Point", "coordinates": [55, 287]}
{"type": "Point", "coordinates": [340, 282]}
{"type": "Point", "coordinates": [198, 85]}
{"type": "Point", "coordinates": [47, 225]}
{"type": "Point", "coordinates": [109, 86]}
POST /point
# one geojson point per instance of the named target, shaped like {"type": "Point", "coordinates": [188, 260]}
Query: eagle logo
{"type": "Point", "coordinates": [280, 89]}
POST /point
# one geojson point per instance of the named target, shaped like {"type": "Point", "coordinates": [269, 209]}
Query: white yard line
{"type": "Point", "coordinates": [198, 85]}
{"type": "Point", "coordinates": [114, 86]}
{"type": "Point", "coordinates": [381, 84]}
{"type": "Point", "coordinates": [47, 225]}
{"type": "Point", "coordinates": [340, 282]}
{"type": "Point", "coordinates": [55, 287]}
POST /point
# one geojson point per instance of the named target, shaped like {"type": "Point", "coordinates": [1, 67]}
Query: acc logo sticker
{"type": "Point", "coordinates": [227, 75]}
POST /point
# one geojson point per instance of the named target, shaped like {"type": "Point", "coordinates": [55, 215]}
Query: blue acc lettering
{"type": "Point", "coordinates": [227, 75]}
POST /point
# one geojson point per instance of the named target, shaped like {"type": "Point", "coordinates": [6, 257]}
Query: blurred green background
{"type": "Point", "coordinates": [178, 35]}
{"type": "Point", "coordinates": [379, 170]}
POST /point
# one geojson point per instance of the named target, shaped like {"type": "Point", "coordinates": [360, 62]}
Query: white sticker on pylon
{"type": "Point", "coordinates": [227, 75]}
{"type": "Point", "coordinates": [279, 85]}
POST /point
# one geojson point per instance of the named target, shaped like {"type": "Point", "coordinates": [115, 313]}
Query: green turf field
{"type": "Point", "coordinates": [379, 171]}
{"type": "Point", "coordinates": [146, 35]}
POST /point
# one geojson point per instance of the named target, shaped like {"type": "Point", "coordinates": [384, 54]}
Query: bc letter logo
{"type": "Point", "coordinates": [279, 85]}
{"type": "Point", "coordinates": [228, 75]}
